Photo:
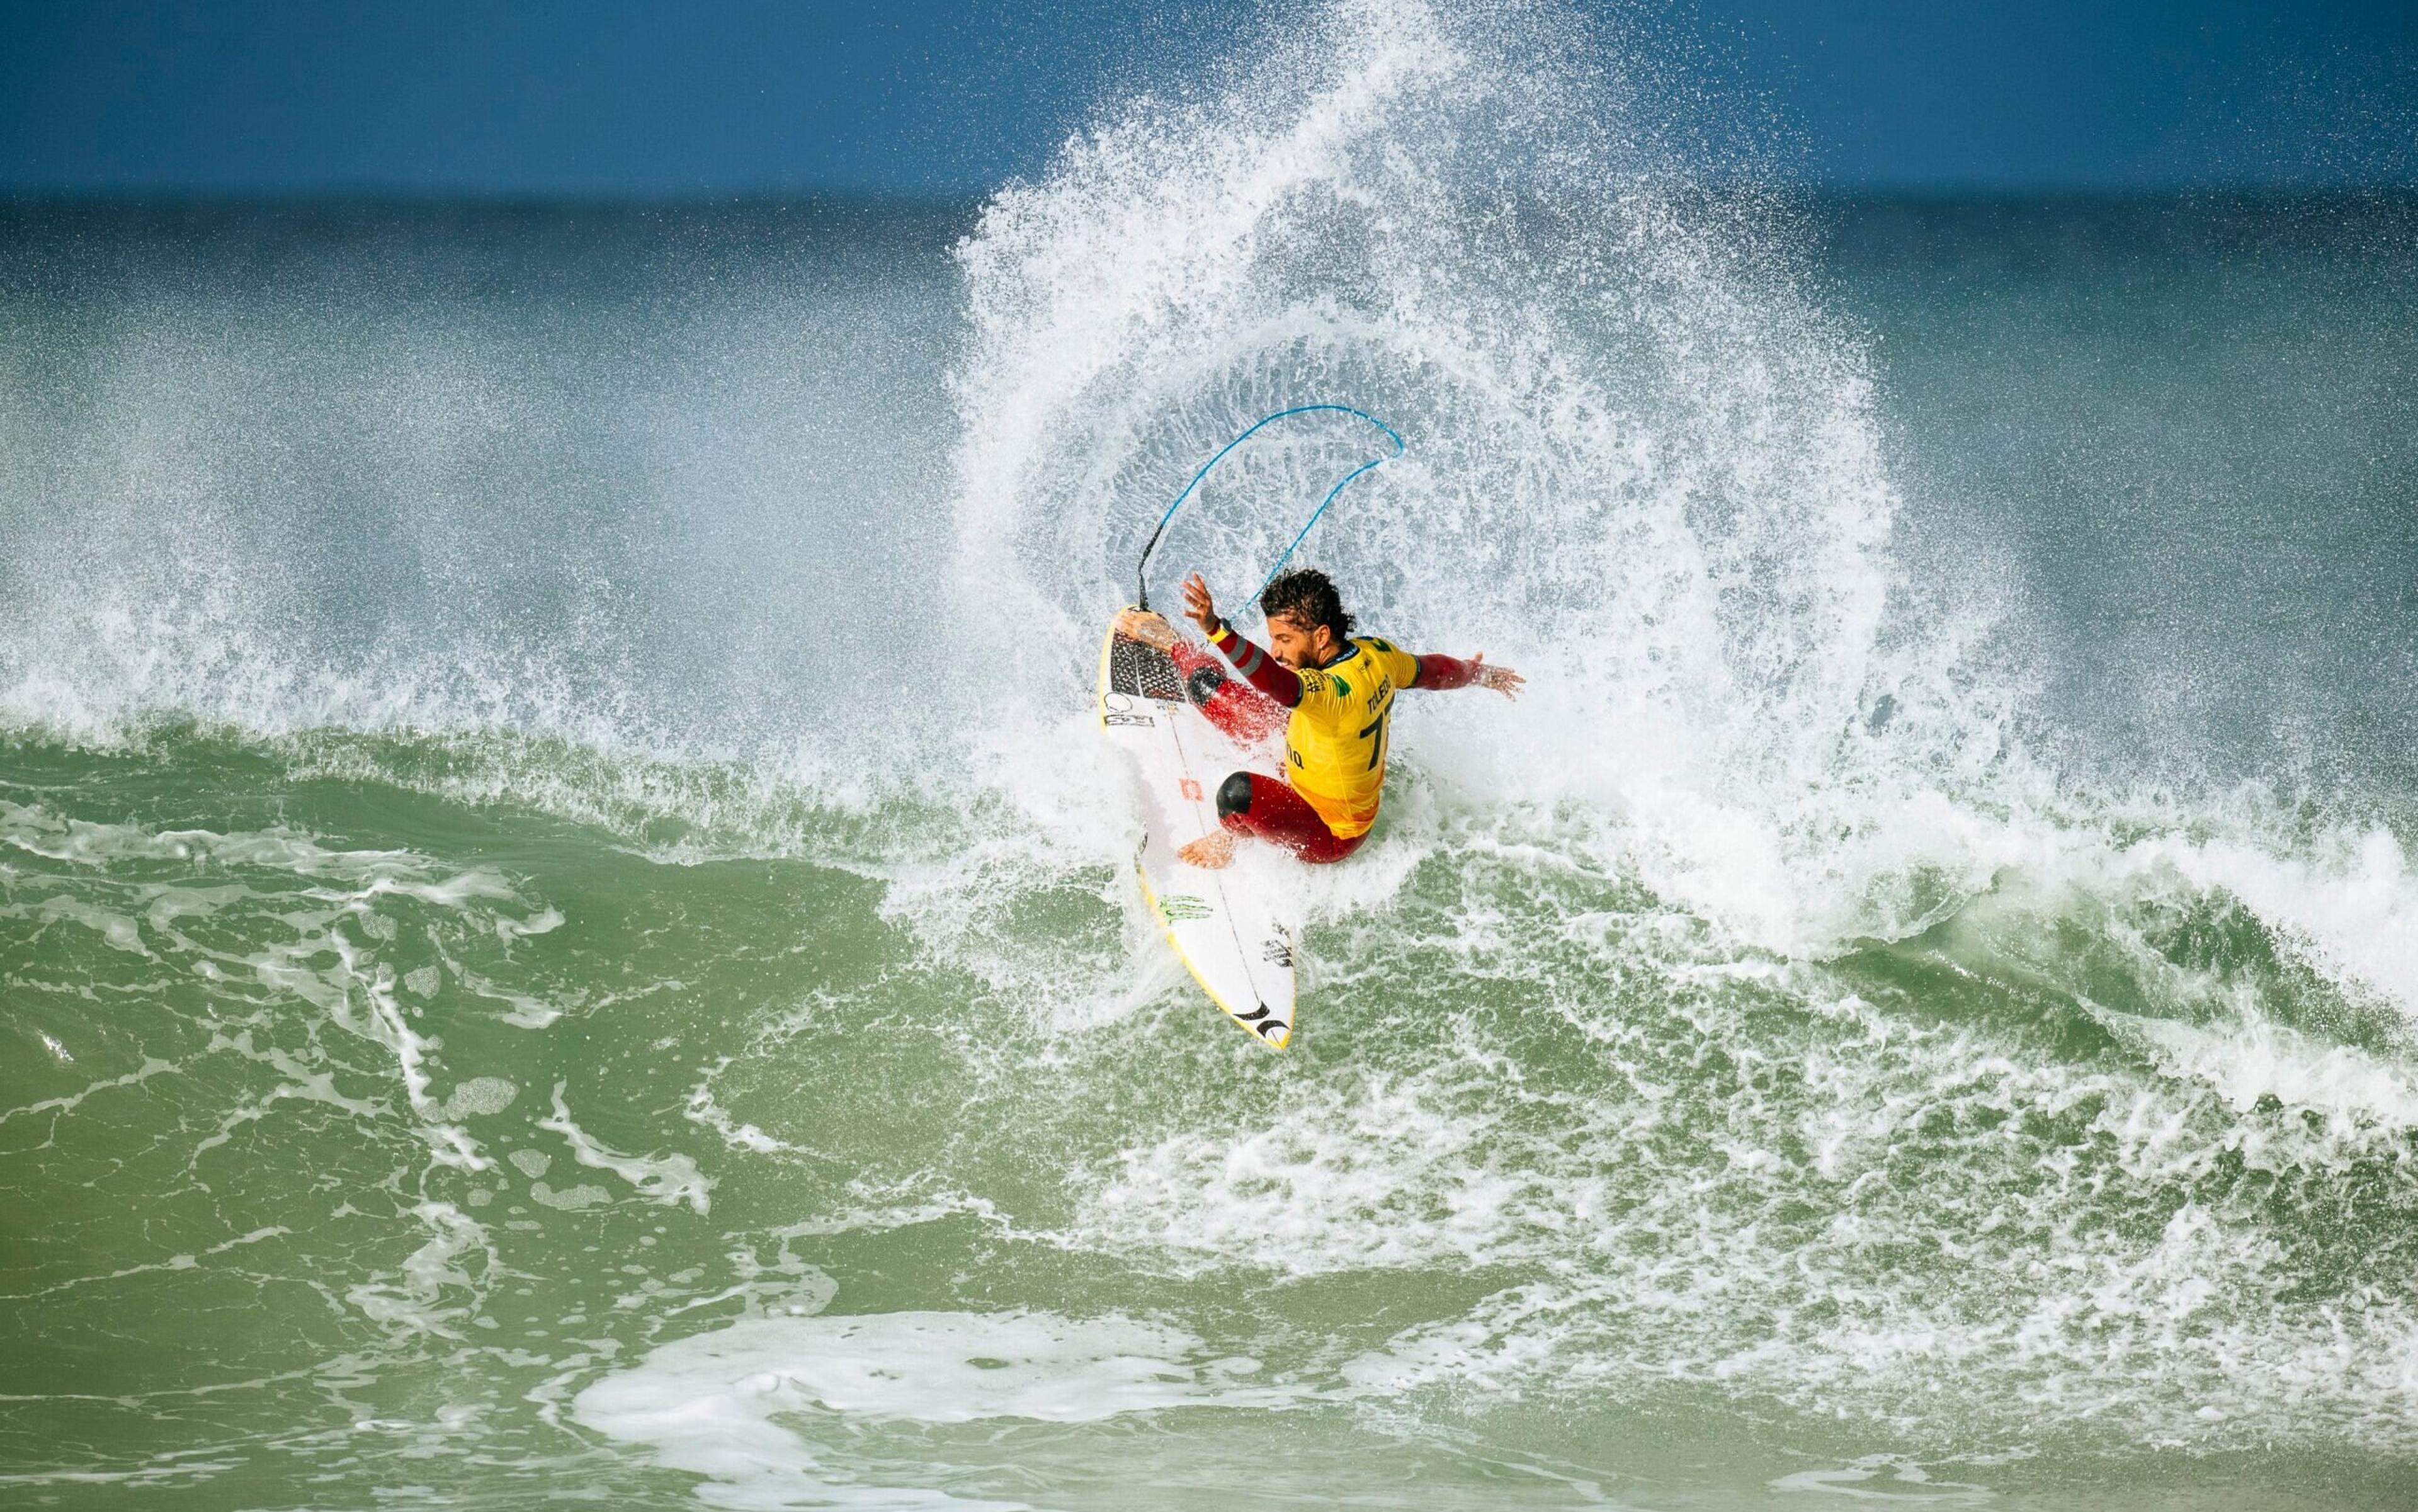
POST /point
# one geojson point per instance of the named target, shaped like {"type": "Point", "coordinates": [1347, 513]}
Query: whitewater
{"type": "Point", "coordinates": [565, 930]}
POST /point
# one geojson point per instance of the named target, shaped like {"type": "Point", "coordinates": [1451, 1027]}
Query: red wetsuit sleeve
{"type": "Point", "coordinates": [1444, 672]}
{"type": "Point", "coordinates": [1259, 669]}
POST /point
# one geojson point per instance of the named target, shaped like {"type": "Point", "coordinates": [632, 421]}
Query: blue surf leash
{"type": "Point", "coordinates": [1142, 567]}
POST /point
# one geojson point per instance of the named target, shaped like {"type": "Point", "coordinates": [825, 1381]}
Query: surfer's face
{"type": "Point", "coordinates": [1299, 644]}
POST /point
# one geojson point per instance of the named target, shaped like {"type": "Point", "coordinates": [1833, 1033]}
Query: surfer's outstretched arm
{"type": "Point", "coordinates": [1445, 672]}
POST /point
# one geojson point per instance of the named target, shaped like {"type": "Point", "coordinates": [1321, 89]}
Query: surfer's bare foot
{"type": "Point", "coordinates": [1212, 851]}
{"type": "Point", "coordinates": [1149, 629]}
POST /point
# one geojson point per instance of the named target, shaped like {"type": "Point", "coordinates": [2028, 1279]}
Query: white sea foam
{"type": "Point", "coordinates": [667, 1179]}
{"type": "Point", "coordinates": [440, 1284]}
{"type": "Point", "coordinates": [758, 1406]}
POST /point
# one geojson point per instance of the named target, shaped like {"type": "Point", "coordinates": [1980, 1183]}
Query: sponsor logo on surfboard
{"type": "Point", "coordinates": [1275, 951]}
{"type": "Point", "coordinates": [1178, 907]}
{"type": "Point", "coordinates": [1126, 719]}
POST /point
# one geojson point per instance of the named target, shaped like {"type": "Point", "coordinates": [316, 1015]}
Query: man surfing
{"type": "Point", "coordinates": [1340, 691]}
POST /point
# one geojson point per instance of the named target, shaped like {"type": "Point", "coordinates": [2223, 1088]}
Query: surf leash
{"type": "Point", "coordinates": [1142, 567]}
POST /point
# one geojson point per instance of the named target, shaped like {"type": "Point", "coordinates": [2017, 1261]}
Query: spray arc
{"type": "Point", "coordinates": [1141, 567]}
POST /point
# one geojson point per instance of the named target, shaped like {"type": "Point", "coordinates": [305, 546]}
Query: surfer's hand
{"type": "Point", "coordinates": [1197, 606]}
{"type": "Point", "coordinates": [1212, 851]}
{"type": "Point", "coordinates": [1500, 679]}
{"type": "Point", "coordinates": [1149, 629]}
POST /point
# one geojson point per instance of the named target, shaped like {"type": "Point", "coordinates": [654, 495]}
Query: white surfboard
{"type": "Point", "coordinates": [1232, 927]}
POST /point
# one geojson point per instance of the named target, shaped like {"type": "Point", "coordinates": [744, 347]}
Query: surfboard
{"type": "Point", "coordinates": [1232, 927]}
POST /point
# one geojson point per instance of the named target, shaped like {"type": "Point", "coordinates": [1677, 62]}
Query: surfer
{"type": "Point", "coordinates": [1340, 691]}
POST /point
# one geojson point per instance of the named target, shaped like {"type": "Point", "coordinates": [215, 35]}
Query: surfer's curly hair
{"type": "Point", "coordinates": [1307, 595]}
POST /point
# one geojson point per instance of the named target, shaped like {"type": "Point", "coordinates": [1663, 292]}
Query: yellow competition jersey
{"type": "Point", "coordinates": [1335, 745]}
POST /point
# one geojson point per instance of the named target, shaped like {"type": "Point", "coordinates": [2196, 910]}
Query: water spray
{"type": "Point", "coordinates": [1141, 567]}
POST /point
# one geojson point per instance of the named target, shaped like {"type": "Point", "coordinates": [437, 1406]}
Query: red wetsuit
{"type": "Point", "coordinates": [1249, 802]}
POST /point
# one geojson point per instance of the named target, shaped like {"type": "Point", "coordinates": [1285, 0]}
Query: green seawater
{"type": "Point", "coordinates": [364, 1144]}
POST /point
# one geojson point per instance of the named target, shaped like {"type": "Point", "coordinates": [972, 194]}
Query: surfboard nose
{"type": "Point", "coordinates": [1275, 1031]}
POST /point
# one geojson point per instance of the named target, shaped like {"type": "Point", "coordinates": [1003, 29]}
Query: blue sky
{"type": "Point", "coordinates": [618, 97]}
